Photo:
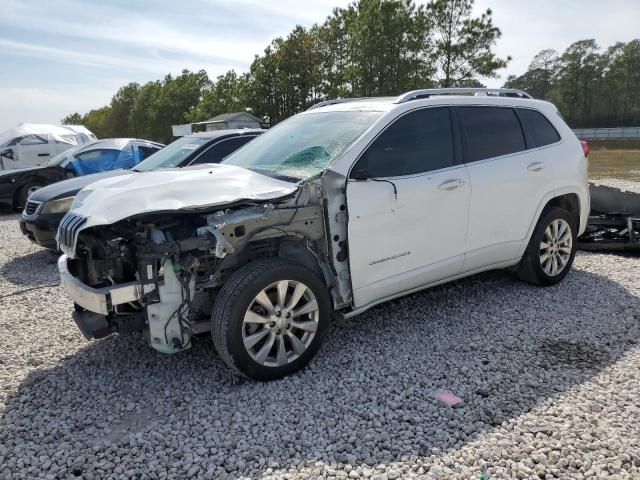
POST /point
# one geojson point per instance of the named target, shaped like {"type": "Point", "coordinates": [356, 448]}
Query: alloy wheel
{"type": "Point", "coordinates": [280, 323]}
{"type": "Point", "coordinates": [556, 247]}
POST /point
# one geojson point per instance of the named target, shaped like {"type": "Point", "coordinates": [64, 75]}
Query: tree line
{"type": "Point", "coordinates": [378, 48]}
{"type": "Point", "coordinates": [590, 87]}
{"type": "Point", "coordinates": [369, 48]}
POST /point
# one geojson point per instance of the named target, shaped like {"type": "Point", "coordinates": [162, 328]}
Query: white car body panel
{"type": "Point", "coordinates": [113, 199]}
{"type": "Point", "coordinates": [53, 139]}
{"type": "Point", "coordinates": [418, 238]}
{"type": "Point", "coordinates": [425, 236]}
{"type": "Point", "coordinates": [498, 226]}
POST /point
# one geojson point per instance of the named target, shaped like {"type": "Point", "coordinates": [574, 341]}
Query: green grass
{"type": "Point", "coordinates": [614, 163]}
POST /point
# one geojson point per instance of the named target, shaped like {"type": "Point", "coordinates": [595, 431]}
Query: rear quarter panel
{"type": "Point", "coordinates": [570, 166]}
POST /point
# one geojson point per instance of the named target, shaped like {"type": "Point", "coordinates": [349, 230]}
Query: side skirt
{"type": "Point", "coordinates": [364, 308]}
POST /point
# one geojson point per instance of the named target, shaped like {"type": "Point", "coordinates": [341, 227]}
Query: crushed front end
{"type": "Point", "coordinates": [159, 273]}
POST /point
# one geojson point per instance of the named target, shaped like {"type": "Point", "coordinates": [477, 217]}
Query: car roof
{"type": "Point", "coordinates": [111, 143]}
{"type": "Point", "coordinates": [228, 133]}
{"type": "Point", "coordinates": [433, 97]}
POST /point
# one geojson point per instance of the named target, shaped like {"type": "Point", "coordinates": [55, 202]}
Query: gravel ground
{"type": "Point", "coordinates": [549, 379]}
{"type": "Point", "coordinates": [627, 185]}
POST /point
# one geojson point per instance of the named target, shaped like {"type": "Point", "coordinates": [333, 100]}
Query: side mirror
{"type": "Point", "coordinates": [7, 154]}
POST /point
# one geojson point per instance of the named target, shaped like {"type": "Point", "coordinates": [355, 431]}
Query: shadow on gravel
{"type": "Point", "coordinates": [6, 216]}
{"type": "Point", "coordinates": [33, 269]}
{"type": "Point", "coordinates": [501, 345]}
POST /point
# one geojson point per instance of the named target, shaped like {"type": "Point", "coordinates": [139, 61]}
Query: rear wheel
{"type": "Point", "coordinates": [551, 250]}
{"type": "Point", "coordinates": [270, 318]}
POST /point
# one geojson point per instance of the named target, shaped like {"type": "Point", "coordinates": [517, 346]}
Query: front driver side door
{"type": "Point", "coordinates": [408, 201]}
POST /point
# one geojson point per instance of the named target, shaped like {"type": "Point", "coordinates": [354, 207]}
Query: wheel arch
{"type": "Point", "coordinates": [296, 249]}
{"type": "Point", "coordinates": [21, 183]}
{"type": "Point", "coordinates": [569, 200]}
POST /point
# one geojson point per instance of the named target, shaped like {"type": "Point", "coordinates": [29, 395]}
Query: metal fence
{"type": "Point", "coordinates": [619, 133]}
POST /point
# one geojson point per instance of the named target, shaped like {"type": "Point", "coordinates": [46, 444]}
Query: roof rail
{"type": "Point", "coordinates": [498, 92]}
{"type": "Point", "coordinates": [338, 100]}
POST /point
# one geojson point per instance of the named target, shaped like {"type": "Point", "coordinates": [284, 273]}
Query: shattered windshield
{"type": "Point", "coordinates": [172, 155]}
{"type": "Point", "coordinates": [304, 145]}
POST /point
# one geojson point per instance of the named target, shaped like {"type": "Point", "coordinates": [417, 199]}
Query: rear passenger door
{"type": "Point", "coordinates": [408, 201]}
{"type": "Point", "coordinates": [508, 182]}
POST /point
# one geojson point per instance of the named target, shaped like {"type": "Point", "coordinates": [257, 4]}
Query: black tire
{"type": "Point", "coordinates": [239, 293]}
{"type": "Point", "coordinates": [25, 190]}
{"type": "Point", "coordinates": [530, 267]}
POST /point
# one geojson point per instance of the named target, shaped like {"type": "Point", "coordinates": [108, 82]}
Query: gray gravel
{"type": "Point", "coordinates": [627, 185]}
{"type": "Point", "coordinates": [549, 379]}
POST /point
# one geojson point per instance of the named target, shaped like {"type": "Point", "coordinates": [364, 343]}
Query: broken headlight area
{"type": "Point", "coordinates": [177, 268]}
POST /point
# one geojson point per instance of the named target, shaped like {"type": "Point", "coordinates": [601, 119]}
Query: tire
{"type": "Point", "coordinates": [26, 190]}
{"type": "Point", "coordinates": [537, 265]}
{"type": "Point", "coordinates": [237, 315]}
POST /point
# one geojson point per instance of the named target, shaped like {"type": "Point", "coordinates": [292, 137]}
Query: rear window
{"type": "Point", "coordinates": [539, 127]}
{"type": "Point", "coordinates": [491, 132]}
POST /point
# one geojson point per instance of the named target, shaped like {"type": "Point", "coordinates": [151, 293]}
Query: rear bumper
{"type": "Point", "coordinates": [97, 300]}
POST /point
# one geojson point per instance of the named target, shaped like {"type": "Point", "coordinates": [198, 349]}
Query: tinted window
{"type": "Point", "coordinates": [220, 150]}
{"type": "Point", "coordinates": [147, 151]}
{"type": "Point", "coordinates": [418, 142]}
{"type": "Point", "coordinates": [539, 127]}
{"type": "Point", "coordinates": [491, 132]}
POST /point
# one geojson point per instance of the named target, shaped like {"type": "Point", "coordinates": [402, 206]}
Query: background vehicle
{"type": "Point", "coordinates": [337, 209]}
{"type": "Point", "coordinates": [98, 156]}
{"type": "Point", "coordinates": [31, 144]}
{"type": "Point", "coordinates": [47, 206]}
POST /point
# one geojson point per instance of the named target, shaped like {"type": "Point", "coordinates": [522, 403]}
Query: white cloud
{"type": "Point", "coordinates": [42, 105]}
{"type": "Point", "coordinates": [528, 27]}
{"type": "Point", "coordinates": [109, 44]}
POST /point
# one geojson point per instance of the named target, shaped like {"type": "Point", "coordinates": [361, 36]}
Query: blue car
{"type": "Point", "coordinates": [94, 157]}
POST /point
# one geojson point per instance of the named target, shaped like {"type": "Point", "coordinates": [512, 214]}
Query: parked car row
{"type": "Point", "coordinates": [32, 144]}
{"type": "Point", "coordinates": [97, 156]}
{"type": "Point", "coordinates": [332, 211]}
{"type": "Point", "coordinates": [46, 206]}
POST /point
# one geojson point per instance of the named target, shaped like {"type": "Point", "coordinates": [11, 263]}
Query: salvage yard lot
{"type": "Point", "coordinates": [549, 379]}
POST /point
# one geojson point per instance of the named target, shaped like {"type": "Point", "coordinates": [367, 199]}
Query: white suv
{"type": "Point", "coordinates": [344, 206]}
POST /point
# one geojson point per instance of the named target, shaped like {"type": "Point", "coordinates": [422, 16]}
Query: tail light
{"type": "Point", "coordinates": [585, 147]}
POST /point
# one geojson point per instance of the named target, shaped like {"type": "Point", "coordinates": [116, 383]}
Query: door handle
{"type": "Point", "coordinates": [451, 184]}
{"type": "Point", "coordinates": [535, 167]}
{"type": "Point", "coordinates": [43, 154]}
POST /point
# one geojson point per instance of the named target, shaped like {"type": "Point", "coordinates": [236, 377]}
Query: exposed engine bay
{"type": "Point", "coordinates": [177, 261]}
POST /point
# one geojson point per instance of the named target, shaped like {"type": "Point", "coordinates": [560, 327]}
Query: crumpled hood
{"type": "Point", "coordinates": [110, 200]}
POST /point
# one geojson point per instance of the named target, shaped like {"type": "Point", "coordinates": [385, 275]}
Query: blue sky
{"type": "Point", "coordinates": [63, 56]}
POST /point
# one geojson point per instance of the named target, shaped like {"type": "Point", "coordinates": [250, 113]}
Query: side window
{"type": "Point", "coordinates": [490, 132]}
{"type": "Point", "coordinates": [539, 127]}
{"type": "Point", "coordinates": [98, 155]}
{"type": "Point", "coordinates": [33, 140]}
{"type": "Point", "coordinates": [418, 142]}
{"type": "Point", "coordinates": [95, 161]}
{"type": "Point", "coordinates": [146, 151]}
{"type": "Point", "coordinates": [217, 152]}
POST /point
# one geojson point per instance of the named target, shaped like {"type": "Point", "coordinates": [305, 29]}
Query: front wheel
{"type": "Point", "coordinates": [26, 191]}
{"type": "Point", "coordinates": [270, 318]}
{"type": "Point", "coordinates": [551, 250]}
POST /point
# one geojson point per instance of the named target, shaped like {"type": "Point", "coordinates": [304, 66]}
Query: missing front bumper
{"type": "Point", "coordinates": [97, 300]}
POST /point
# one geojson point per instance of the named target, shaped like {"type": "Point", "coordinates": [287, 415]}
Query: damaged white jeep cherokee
{"type": "Point", "coordinates": [349, 204]}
